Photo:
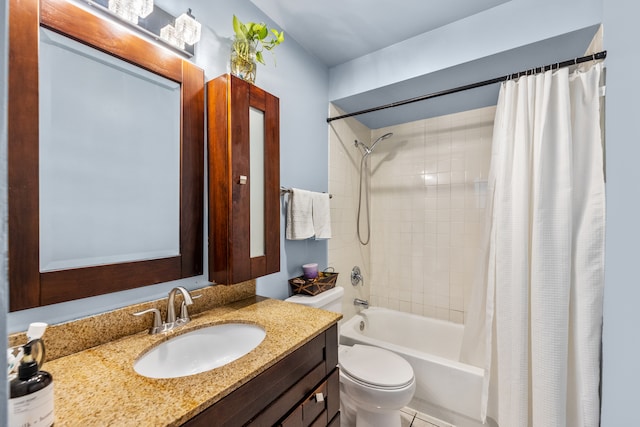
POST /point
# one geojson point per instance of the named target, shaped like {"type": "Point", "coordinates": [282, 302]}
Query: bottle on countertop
{"type": "Point", "coordinates": [31, 391]}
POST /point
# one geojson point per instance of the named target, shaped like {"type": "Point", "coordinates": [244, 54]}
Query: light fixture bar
{"type": "Point", "coordinates": [151, 26]}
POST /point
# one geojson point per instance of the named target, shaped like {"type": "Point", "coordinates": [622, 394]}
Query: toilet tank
{"type": "Point", "coordinates": [330, 300]}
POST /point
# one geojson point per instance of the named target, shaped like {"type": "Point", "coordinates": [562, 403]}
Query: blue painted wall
{"type": "Point", "coordinates": [621, 335]}
{"type": "Point", "coordinates": [301, 83]}
{"type": "Point", "coordinates": [508, 26]}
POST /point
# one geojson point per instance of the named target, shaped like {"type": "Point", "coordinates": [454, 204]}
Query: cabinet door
{"type": "Point", "coordinates": [244, 181]}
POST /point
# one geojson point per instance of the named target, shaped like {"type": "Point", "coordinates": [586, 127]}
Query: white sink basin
{"type": "Point", "coordinates": [200, 350]}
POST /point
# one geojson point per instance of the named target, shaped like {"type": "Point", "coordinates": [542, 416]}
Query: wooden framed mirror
{"type": "Point", "coordinates": [30, 285]}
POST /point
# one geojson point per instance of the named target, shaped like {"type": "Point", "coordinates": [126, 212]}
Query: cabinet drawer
{"type": "Point", "coordinates": [314, 411]}
{"type": "Point", "coordinates": [314, 405]}
{"type": "Point", "coordinates": [321, 421]}
{"type": "Point", "coordinates": [294, 419]}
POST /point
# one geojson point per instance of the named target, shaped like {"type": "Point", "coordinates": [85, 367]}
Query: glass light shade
{"type": "Point", "coordinates": [143, 7]}
{"type": "Point", "coordinates": [188, 28]}
{"type": "Point", "coordinates": [169, 34]}
{"type": "Point", "coordinates": [131, 10]}
{"type": "Point", "coordinates": [123, 9]}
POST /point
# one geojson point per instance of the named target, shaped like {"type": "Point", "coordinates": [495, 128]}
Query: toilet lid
{"type": "Point", "coordinates": [375, 366]}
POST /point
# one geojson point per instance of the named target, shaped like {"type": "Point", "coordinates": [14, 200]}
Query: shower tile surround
{"type": "Point", "coordinates": [345, 251]}
{"type": "Point", "coordinates": [428, 196]}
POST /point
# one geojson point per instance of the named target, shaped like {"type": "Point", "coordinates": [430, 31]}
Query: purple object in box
{"type": "Point", "coordinates": [310, 270]}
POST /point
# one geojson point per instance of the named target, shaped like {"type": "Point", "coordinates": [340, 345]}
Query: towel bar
{"type": "Point", "coordinates": [284, 190]}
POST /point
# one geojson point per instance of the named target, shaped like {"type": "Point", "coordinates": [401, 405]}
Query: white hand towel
{"type": "Point", "coordinates": [299, 215]}
{"type": "Point", "coordinates": [321, 216]}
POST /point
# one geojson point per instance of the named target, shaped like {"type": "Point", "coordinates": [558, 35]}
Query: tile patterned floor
{"type": "Point", "coordinates": [412, 418]}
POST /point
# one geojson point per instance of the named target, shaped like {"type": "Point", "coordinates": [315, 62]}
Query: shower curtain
{"type": "Point", "coordinates": [535, 317]}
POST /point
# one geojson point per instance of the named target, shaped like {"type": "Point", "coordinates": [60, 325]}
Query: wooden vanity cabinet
{"type": "Point", "coordinates": [243, 124]}
{"type": "Point", "coordinates": [285, 394]}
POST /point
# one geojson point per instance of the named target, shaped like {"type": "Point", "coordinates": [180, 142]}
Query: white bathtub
{"type": "Point", "coordinates": [445, 388]}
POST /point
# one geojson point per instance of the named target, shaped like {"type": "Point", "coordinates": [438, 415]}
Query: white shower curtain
{"type": "Point", "coordinates": [534, 322]}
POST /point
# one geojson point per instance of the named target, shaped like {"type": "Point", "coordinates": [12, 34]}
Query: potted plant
{"type": "Point", "coordinates": [251, 38]}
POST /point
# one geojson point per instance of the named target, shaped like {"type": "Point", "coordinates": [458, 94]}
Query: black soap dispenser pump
{"type": "Point", "coordinates": [31, 392]}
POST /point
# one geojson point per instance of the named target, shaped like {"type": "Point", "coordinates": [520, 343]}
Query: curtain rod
{"type": "Point", "coordinates": [568, 63]}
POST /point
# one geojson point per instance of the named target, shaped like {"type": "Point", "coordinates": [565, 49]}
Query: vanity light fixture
{"type": "Point", "coordinates": [190, 29]}
{"type": "Point", "coordinates": [131, 10]}
{"type": "Point", "coordinates": [169, 34]}
{"type": "Point", "coordinates": [179, 34]}
{"type": "Point", "coordinates": [186, 30]}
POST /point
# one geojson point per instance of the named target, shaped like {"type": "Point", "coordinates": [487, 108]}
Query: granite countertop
{"type": "Point", "coordinates": [98, 386]}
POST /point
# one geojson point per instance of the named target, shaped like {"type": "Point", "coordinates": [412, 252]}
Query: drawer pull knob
{"type": "Point", "coordinates": [319, 397]}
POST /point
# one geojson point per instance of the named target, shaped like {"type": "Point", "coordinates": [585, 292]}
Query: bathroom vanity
{"type": "Point", "coordinates": [273, 397]}
{"type": "Point", "coordinates": [290, 379]}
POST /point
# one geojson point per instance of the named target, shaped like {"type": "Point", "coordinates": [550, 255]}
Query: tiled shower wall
{"type": "Point", "coordinates": [428, 204]}
{"type": "Point", "coordinates": [345, 251]}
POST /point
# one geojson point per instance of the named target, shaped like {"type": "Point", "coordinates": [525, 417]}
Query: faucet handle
{"type": "Point", "coordinates": [184, 313]}
{"type": "Point", "coordinates": [157, 322]}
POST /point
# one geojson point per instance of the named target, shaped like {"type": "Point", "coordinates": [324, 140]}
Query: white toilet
{"type": "Point", "coordinates": [374, 383]}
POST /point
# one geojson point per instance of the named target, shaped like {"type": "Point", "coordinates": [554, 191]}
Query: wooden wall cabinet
{"type": "Point", "coordinates": [242, 174]}
{"type": "Point", "coordinates": [285, 394]}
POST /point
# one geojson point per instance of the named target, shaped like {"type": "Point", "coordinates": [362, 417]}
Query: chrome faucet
{"type": "Point", "coordinates": [171, 322]}
{"type": "Point", "coordinates": [171, 310]}
{"type": "Point", "coordinates": [361, 302]}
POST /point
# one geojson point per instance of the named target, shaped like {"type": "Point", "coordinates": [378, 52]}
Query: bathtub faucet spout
{"type": "Point", "coordinates": [361, 302]}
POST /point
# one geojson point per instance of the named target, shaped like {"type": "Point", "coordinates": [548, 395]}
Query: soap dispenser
{"type": "Point", "coordinates": [31, 392]}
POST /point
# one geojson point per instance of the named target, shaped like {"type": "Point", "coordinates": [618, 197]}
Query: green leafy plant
{"type": "Point", "coordinates": [255, 33]}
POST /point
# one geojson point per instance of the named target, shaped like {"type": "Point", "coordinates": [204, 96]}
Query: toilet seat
{"type": "Point", "coordinates": [375, 367]}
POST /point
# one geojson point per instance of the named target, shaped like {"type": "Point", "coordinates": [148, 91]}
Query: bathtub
{"type": "Point", "coordinates": [445, 388]}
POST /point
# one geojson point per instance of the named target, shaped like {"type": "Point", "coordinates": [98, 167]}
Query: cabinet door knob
{"type": "Point", "coordinates": [319, 397]}
{"type": "Point", "coordinates": [242, 180]}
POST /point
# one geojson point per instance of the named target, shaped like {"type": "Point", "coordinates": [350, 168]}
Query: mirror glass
{"type": "Point", "coordinates": [109, 158]}
{"type": "Point", "coordinates": [256, 174]}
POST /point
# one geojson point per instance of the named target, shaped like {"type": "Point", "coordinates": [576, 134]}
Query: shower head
{"type": "Point", "coordinates": [385, 136]}
{"type": "Point", "coordinates": [368, 150]}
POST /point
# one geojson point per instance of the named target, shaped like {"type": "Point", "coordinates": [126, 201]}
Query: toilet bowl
{"type": "Point", "coordinates": [374, 383]}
